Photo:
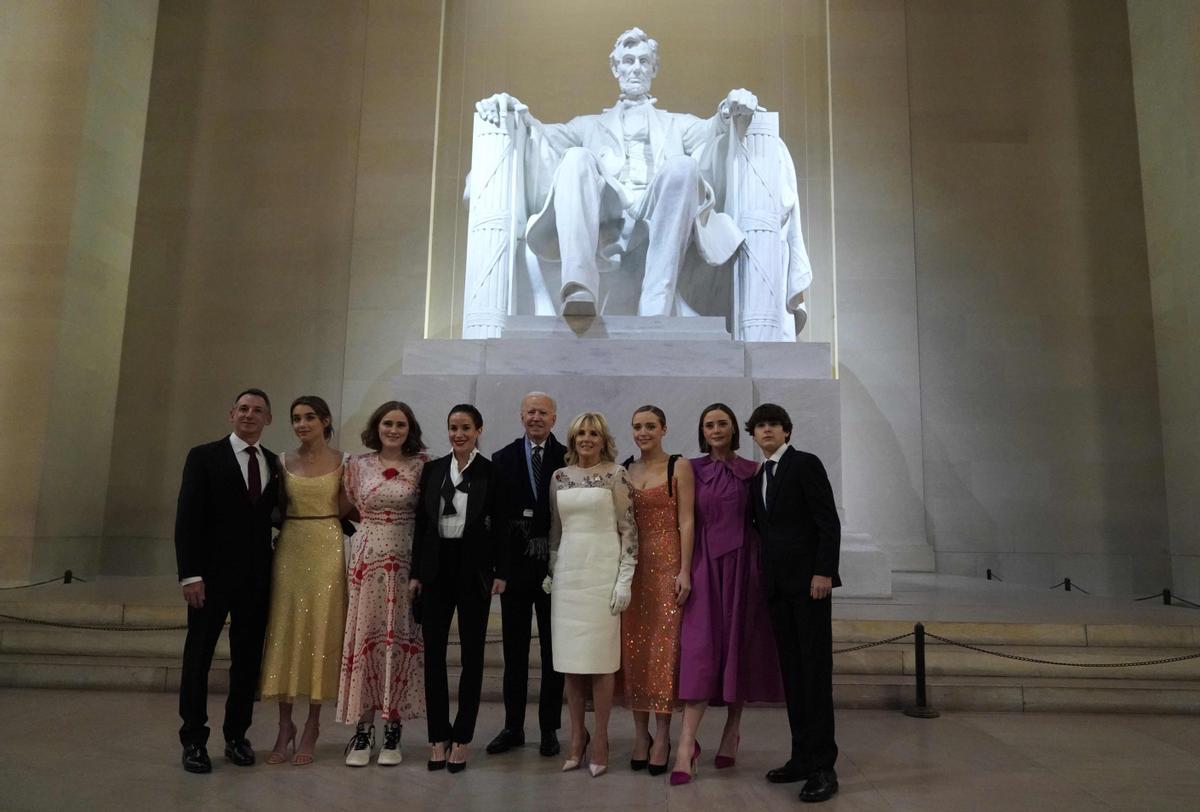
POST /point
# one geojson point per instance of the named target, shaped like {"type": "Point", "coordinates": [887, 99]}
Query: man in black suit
{"type": "Point", "coordinates": [794, 511]}
{"type": "Point", "coordinates": [527, 464]}
{"type": "Point", "coordinates": [223, 551]}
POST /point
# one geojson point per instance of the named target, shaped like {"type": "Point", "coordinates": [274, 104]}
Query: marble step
{"type": "Point", "coordinates": [894, 658]}
{"type": "Point", "coordinates": [862, 691]}
{"type": "Point", "coordinates": [845, 630]}
{"type": "Point", "coordinates": [21, 639]}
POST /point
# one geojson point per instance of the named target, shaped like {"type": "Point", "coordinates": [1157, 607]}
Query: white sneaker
{"type": "Point", "coordinates": [358, 749]}
{"type": "Point", "coordinates": [389, 755]}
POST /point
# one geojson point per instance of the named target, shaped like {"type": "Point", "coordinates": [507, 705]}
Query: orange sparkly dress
{"type": "Point", "coordinates": [649, 675]}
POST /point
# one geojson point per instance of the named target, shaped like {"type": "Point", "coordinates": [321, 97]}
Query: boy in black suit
{"type": "Point", "coordinates": [527, 464]}
{"type": "Point", "coordinates": [223, 551]}
{"type": "Point", "coordinates": [794, 511]}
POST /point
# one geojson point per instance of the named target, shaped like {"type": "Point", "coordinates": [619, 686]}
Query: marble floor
{"type": "Point", "coordinates": [929, 597]}
{"type": "Point", "coordinates": [961, 761]}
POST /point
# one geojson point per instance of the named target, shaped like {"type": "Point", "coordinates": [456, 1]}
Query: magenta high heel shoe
{"type": "Point", "coordinates": [679, 776]}
{"type": "Point", "coordinates": [723, 762]}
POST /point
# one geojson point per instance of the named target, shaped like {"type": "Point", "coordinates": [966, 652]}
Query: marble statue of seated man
{"type": "Point", "coordinates": [598, 179]}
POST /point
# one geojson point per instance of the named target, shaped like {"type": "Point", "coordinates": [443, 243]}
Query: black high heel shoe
{"type": "Point", "coordinates": [438, 764]}
{"type": "Point", "coordinates": [456, 766]}
{"type": "Point", "coordinates": [637, 764]}
{"type": "Point", "coordinates": [659, 769]}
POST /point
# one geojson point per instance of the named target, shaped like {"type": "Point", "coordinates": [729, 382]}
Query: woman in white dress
{"type": "Point", "coordinates": [593, 552]}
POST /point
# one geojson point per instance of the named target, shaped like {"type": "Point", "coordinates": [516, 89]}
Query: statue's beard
{"type": "Point", "coordinates": [634, 87]}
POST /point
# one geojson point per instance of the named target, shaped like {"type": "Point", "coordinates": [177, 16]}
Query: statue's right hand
{"type": "Point", "coordinates": [494, 108]}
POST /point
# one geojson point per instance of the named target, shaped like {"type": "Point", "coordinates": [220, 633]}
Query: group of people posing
{"type": "Point", "coordinates": [660, 583]}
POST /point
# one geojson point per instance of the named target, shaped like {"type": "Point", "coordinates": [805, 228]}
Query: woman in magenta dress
{"type": "Point", "coordinates": [727, 653]}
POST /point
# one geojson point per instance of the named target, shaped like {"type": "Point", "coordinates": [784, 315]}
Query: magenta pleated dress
{"type": "Point", "coordinates": [727, 651]}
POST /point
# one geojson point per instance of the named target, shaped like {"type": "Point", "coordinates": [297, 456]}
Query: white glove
{"type": "Point", "coordinates": [620, 598]}
{"type": "Point", "coordinates": [547, 582]}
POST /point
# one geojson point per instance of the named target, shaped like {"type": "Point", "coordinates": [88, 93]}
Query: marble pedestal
{"type": "Point", "coordinates": [608, 365]}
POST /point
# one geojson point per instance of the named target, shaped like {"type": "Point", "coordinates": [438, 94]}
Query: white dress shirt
{"type": "Point", "coordinates": [451, 527]}
{"type": "Point", "coordinates": [777, 456]}
{"type": "Point", "coordinates": [243, 458]}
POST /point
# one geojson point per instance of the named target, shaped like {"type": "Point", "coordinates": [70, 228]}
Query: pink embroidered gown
{"type": "Point", "coordinates": [383, 657]}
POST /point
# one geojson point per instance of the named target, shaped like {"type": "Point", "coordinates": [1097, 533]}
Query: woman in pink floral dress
{"type": "Point", "coordinates": [383, 655]}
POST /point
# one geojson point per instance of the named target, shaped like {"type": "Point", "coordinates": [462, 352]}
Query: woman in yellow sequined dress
{"type": "Point", "coordinates": [308, 583]}
{"type": "Point", "coordinates": [663, 494]}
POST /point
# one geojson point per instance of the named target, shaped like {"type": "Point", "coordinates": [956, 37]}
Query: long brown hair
{"type": "Point", "coordinates": [412, 443]}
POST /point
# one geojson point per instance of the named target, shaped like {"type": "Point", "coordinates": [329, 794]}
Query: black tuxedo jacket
{"type": "Point", "coordinates": [483, 548]}
{"type": "Point", "coordinates": [519, 497]}
{"type": "Point", "coordinates": [799, 527]}
{"type": "Point", "coordinates": [220, 534]}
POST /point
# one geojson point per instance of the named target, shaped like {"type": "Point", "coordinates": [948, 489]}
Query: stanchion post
{"type": "Point", "coordinates": [68, 576]}
{"type": "Point", "coordinates": [1067, 584]}
{"type": "Point", "coordinates": [1166, 597]}
{"type": "Point", "coordinates": [922, 709]}
{"type": "Point", "coordinates": [989, 573]}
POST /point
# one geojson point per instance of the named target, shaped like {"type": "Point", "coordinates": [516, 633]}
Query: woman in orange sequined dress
{"type": "Point", "coordinates": [663, 497]}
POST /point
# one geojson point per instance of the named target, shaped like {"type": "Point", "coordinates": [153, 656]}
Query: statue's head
{"type": "Point", "coordinates": [634, 62]}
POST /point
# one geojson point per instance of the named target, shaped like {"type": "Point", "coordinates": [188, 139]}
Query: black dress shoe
{"type": "Point", "coordinates": [195, 759]}
{"type": "Point", "coordinates": [549, 746]}
{"type": "Point", "coordinates": [505, 740]}
{"type": "Point", "coordinates": [239, 752]}
{"type": "Point", "coordinates": [821, 786]}
{"type": "Point", "coordinates": [788, 774]}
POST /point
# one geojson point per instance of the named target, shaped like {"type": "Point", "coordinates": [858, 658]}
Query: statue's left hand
{"type": "Point", "coordinates": [739, 103]}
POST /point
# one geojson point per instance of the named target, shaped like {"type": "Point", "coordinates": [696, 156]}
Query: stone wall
{"type": "Point", "coordinates": [1165, 37]}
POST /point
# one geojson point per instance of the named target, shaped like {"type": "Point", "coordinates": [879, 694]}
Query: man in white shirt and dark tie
{"type": "Point", "coordinates": [223, 551]}
{"type": "Point", "coordinates": [796, 517]}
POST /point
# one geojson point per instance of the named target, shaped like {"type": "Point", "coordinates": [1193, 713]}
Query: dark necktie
{"type": "Point", "coordinates": [253, 475]}
{"type": "Point", "coordinates": [448, 489]}
{"type": "Point", "coordinates": [769, 467]}
{"type": "Point", "coordinates": [536, 459]}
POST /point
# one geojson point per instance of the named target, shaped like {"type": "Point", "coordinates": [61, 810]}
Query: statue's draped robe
{"type": "Point", "coordinates": [714, 234]}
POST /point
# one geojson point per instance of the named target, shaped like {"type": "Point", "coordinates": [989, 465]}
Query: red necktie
{"type": "Point", "coordinates": [254, 476]}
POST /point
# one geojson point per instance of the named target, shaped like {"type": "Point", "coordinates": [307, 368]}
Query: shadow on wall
{"type": "Point", "coordinates": [869, 440]}
{"type": "Point", "coordinates": [1133, 521]}
{"type": "Point", "coordinates": [158, 264]}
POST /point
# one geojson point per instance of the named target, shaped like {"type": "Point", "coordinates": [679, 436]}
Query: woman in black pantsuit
{"type": "Point", "coordinates": [458, 563]}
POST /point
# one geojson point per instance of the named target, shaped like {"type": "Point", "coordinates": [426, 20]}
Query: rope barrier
{"type": "Point", "coordinates": [66, 578]}
{"type": "Point", "coordinates": [1024, 659]}
{"type": "Point", "coordinates": [872, 645]}
{"type": "Point", "coordinates": [92, 627]}
{"type": "Point", "coordinates": [1068, 585]}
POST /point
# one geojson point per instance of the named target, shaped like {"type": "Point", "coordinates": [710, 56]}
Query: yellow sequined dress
{"type": "Point", "coordinates": [308, 593]}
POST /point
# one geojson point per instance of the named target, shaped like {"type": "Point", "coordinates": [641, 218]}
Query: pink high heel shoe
{"type": "Point", "coordinates": [575, 763]}
{"type": "Point", "coordinates": [679, 777]}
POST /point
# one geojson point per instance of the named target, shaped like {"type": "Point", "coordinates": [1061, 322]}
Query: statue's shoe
{"type": "Point", "coordinates": [579, 303]}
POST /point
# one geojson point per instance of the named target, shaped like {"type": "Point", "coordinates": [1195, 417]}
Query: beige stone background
{"type": "Point", "coordinates": [199, 195]}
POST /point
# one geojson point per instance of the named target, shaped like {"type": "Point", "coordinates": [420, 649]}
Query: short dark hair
{"type": "Point", "coordinates": [654, 410]}
{"type": "Point", "coordinates": [318, 405]}
{"type": "Point", "coordinates": [769, 413]}
{"type": "Point", "coordinates": [412, 443]}
{"type": "Point", "coordinates": [467, 408]}
{"type": "Point", "coordinates": [258, 393]}
{"type": "Point", "coordinates": [734, 441]}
